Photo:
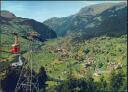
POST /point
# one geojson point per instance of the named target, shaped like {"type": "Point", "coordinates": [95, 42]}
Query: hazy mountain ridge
{"type": "Point", "coordinates": [90, 17]}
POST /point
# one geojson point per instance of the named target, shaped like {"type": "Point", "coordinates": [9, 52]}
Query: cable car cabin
{"type": "Point", "coordinates": [16, 46]}
{"type": "Point", "coordinates": [15, 49]}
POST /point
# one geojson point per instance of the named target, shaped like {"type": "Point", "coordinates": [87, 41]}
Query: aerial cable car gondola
{"type": "Point", "coordinates": [16, 50]}
{"type": "Point", "coordinates": [16, 46]}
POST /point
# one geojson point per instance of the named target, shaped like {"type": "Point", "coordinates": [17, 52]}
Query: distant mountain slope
{"type": "Point", "coordinates": [10, 23]}
{"type": "Point", "coordinates": [95, 20]}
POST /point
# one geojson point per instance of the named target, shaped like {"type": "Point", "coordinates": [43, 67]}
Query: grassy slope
{"type": "Point", "coordinates": [103, 50]}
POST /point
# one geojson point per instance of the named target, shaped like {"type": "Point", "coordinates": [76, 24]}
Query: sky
{"type": "Point", "coordinates": [43, 10]}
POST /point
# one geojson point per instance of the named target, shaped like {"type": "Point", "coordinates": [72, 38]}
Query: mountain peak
{"type": "Point", "coordinates": [93, 10]}
{"type": "Point", "coordinates": [7, 14]}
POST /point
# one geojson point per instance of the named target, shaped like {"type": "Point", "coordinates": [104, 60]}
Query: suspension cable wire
{"type": "Point", "coordinates": [23, 84]}
{"type": "Point", "coordinates": [22, 74]}
{"type": "Point", "coordinates": [33, 78]}
{"type": "Point", "coordinates": [31, 82]}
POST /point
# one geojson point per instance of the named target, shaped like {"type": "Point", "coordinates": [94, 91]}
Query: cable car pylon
{"type": "Point", "coordinates": [28, 82]}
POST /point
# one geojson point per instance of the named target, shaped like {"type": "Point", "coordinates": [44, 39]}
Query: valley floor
{"type": "Point", "coordinates": [97, 58]}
